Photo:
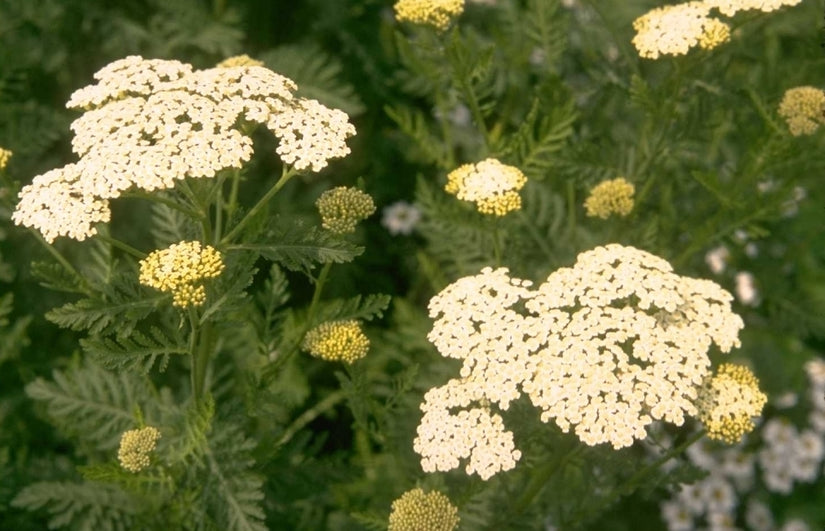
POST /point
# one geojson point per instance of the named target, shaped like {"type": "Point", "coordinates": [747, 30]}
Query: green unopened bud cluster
{"type": "Point", "coordinates": [342, 208]}
{"type": "Point", "coordinates": [416, 511]}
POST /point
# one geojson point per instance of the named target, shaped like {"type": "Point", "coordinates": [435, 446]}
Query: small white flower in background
{"type": "Point", "coordinates": [791, 206]}
{"type": "Point", "coordinates": [758, 516]}
{"type": "Point", "coordinates": [740, 236]}
{"type": "Point", "coordinates": [746, 289]}
{"type": "Point", "coordinates": [537, 56]}
{"type": "Point", "coordinates": [717, 259]}
{"type": "Point", "coordinates": [460, 115]}
{"type": "Point", "coordinates": [785, 400]}
{"type": "Point", "coordinates": [752, 250]}
{"type": "Point", "coordinates": [795, 525]}
{"type": "Point", "coordinates": [400, 218]}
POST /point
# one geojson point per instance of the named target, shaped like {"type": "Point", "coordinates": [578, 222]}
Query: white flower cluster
{"type": "Point", "coordinates": [151, 122]}
{"type": "Point", "coordinates": [606, 346]}
{"type": "Point", "coordinates": [789, 455]}
{"type": "Point", "coordinates": [816, 393]}
{"type": "Point", "coordinates": [730, 7]}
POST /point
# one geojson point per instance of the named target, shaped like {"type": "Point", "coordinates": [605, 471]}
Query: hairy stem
{"type": "Point", "coordinates": [114, 242]}
{"type": "Point", "coordinates": [311, 414]}
{"type": "Point", "coordinates": [286, 174]}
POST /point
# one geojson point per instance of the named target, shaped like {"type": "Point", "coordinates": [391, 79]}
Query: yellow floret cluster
{"type": "Point", "coordinates": [728, 401]}
{"type": "Point", "coordinates": [5, 155]}
{"type": "Point", "coordinates": [239, 60]}
{"type": "Point", "coordinates": [342, 208]}
{"type": "Point", "coordinates": [604, 348]}
{"type": "Point", "coordinates": [803, 108]}
{"type": "Point", "coordinates": [491, 185]}
{"type": "Point", "coordinates": [436, 13]}
{"type": "Point", "coordinates": [337, 341]}
{"type": "Point", "coordinates": [181, 270]}
{"type": "Point", "coordinates": [675, 29]}
{"type": "Point", "coordinates": [610, 197]}
{"type": "Point", "coordinates": [417, 511]}
{"type": "Point", "coordinates": [149, 123]}
{"type": "Point", "coordinates": [135, 447]}
{"type": "Point", "coordinates": [730, 7]}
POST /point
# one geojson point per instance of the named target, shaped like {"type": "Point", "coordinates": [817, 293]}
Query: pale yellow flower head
{"type": "Point", "coordinates": [239, 60]}
{"type": "Point", "coordinates": [181, 269]}
{"type": "Point", "coordinates": [491, 185]}
{"type": "Point", "coordinates": [604, 348]}
{"type": "Point", "coordinates": [803, 108]}
{"type": "Point", "coordinates": [150, 123]}
{"type": "Point", "coordinates": [730, 7]}
{"type": "Point", "coordinates": [436, 13]}
{"type": "Point", "coordinates": [610, 197]}
{"type": "Point", "coordinates": [728, 401]}
{"type": "Point", "coordinates": [5, 155]}
{"type": "Point", "coordinates": [337, 341]}
{"type": "Point", "coordinates": [135, 447]}
{"type": "Point", "coordinates": [416, 511]}
{"type": "Point", "coordinates": [342, 208]}
{"type": "Point", "coordinates": [675, 29]}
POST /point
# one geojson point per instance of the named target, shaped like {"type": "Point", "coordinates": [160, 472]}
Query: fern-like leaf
{"type": "Point", "coordinates": [358, 307]}
{"type": "Point", "coordinates": [546, 29]}
{"type": "Point", "coordinates": [413, 123]}
{"type": "Point", "coordinates": [85, 506]}
{"type": "Point", "coordinates": [58, 278]}
{"type": "Point", "coordinates": [136, 352]}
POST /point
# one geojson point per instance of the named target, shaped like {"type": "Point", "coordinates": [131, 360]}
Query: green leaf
{"type": "Point", "coordinates": [84, 506]}
{"type": "Point", "coordinates": [12, 338]}
{"type": "Point", "coordinates": [136, 352]}
{"type": "Point", "coordinates": [413, 123]}
{"type": "Point", "coordinates": [56, 277]}
{"type": "Point", "coordinates": [300, 248]}
{"type": "Point", "coordinates": [546, 29]}
{"type": "Point", "coordinates": [358, 307]}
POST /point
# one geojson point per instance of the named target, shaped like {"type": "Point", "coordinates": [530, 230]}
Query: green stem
{"type": "Point", "coordinates": [496, 243]}
{"type": "Point", "coordinates": [140, 194]}
{"type": "Point", "coordinates": [541, 476]}
{"type": "Point", "coordinates": [62, 260]}
{"type": "Point", "coordinates": [448, 162]}
{"type": "Point", "coordinates": [316, 295]}
{"type": "Point", "coordinates": [114, 242]}
{"type": "Point", "coordinates": [541, 242]}
{"type": "Point", "coordinates": [311, 414]}
{"type": "Point", "coordinates": [571, 210]}
{"type": "Point", "coordinates": [194, 329]}
{"type": "Point", "coordinates": [286, 174]}
{"type": "Point", "coordinates": [219, 213]}
{"type": "Point", "coordinates": [202, 359]}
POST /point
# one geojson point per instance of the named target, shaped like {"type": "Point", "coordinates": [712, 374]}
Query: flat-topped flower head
{"type": "Point", "coordinates": [136, 447]}
{"type": "Point", "coordinates": [150, 123]}
{"type": "Point", "coordinates": [436, 13]}
{"type": "Point", "coordinates": [728, 401]}
{"type": "Point", "coordinates": [417, 511]}
{"type": "Point", "coordinates": [239, 60]}
{"type": "Point", "coordinates": [337, 341]}
{"type": "Point", "coordinates": [731, 7]}
{"type": "Point", "coordinates": [610, 197]}
{"type": "Point", "coordinates": [182, 269]}
{"type": "Point", "coordinates": [57, 203]}
{"type": "Point", "coordinates": [803, 108]}
{"type": "Point", "coordinates": [675, 29]}
{"type": "Point", "coordinates": [342, 208]}
{"type": "Point", "coordinates": [5, 155]}
{"type": "Point", "coordinates": [491, 185]}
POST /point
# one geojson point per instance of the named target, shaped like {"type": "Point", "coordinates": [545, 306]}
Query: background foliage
{"type": "Point", "coordinates": [310, 445]}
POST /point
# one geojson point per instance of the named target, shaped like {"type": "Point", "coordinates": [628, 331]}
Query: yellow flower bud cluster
{"type": "Point", "coordinates": [436, 13]}
{"type": "Point", "coordinates": [337, 341]}
{"type": "Point", "coordinates": [181, 270]}
{"type": "Point", "coordinates": [603, 348]}
{"type": "Point", "coordinates": [341, 209]}
{"type": "Point", "coordinates": [149, 123]}
{"type": "Point", "coordinates": [803, 108]}
{"type": "Point", "coordinates": [491, 185]}
{"type": "Point", "coordinates": [5, 155]}
{"type": "Point", "coordinates": [239, 60]}
{"type": "Point", "coordinates": [416, 511]}
{"type": "Point", "coordinates": [135, 447]}
{"type": "Point", "coordinates": [675, 29]}
{"type": "Point", "coordinates": [727, 402]}
{"type": "Point", "coordinates": [610, 197]}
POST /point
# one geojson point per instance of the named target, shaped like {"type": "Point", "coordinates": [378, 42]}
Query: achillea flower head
{"type": "Point", "coordinates": [491, 185]}
{"type": "Point", "coordinates": [342, 208]}
{"type": "Point", "coordinates": [416, 511]}
{"type": "Point", "coordinates": [436, 13]}
{"type": "Point", "coordinates": [803, 108]}
{"type": "Point", "coordinates": [730, 7]}
{"type": "Point", "coordinates": [728, 401]}
{"type": "Point", "coordinates": [675, 29]}
{"type": "Point", "coordinates": [135, 447]}
{"type": "Point", "coordinates": [5, 155]}
{"type": "Point", "coordinates": [337, 341]}
{"type": "Point", "coordinates": [606, 347]}
{"type": "Point", "coordinates": [610, 197]}
{"type": "Point", "coordinates": [400, 218]}
{"type": "Point", "coordinates": [239, 60]}
{"type": "Point", "coordinates": [181, 270]}
{"type": "Point", "coordinates": [151, 122]}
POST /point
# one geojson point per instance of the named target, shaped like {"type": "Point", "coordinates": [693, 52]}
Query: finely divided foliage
{"type": "Point", "coordinates": [591, 280]}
